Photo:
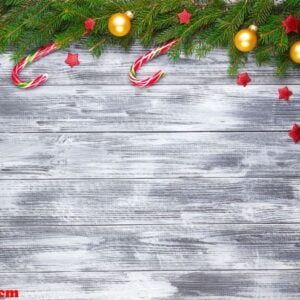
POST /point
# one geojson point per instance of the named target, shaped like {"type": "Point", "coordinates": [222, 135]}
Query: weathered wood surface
{"type": "Point", "coordinates": [204, 285]}
{"type": "Point", "coordinates": [144, 201]}
{"type": "Point", "coordinates": [148, 155]}
{"type": "Point", "coordinates": [150, 247]}
{"type": "Point", "coordinates": [187, 190]}
{"type": "Point", "coordinates": [113, 66]}
{"type": "Point", "coordinates": [107, 108]}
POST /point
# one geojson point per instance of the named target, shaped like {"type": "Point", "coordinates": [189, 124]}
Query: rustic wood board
{"type": "Point", "coordinates": [186, 108]}
{"type": "Point", "coordinates": [148, 155]}
{"type": "Point", "coordinates": [193, 285]}
{"type": "Point", "coordinates": [187, 190]}
{"type": "Point", "coordinates": [144, 201]}
{"type": "Point", "coordinates": [113, 66]}
{"type": "Point", "coordinates": [150, 247]}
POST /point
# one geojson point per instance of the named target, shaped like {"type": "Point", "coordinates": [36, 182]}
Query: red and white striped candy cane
{"type": "Point", "coordinates": [144, 59]}
{"type": "Point", "coordinates": [28, 60]}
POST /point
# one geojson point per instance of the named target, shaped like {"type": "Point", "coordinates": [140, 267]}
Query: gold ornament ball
{"type": "Point", "coordinates": [246, 39]}
{"type": "Point", "coordinates": [120, 24]}
{"type": "Point", "coordinates": [295, 52]}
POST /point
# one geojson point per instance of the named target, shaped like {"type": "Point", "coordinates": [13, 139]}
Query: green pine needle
{"type": "Point", "coordinates": [26, 25]}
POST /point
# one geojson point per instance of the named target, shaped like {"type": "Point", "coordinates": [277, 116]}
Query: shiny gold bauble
{"type": "Point", "coordinates": [295, 52]}
{"type": "Point", "coordinates": [120, 24]}
{"type": "Point", "coordinates": [246, 39]}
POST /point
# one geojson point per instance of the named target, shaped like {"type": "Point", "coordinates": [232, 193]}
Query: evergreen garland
{"type": "Point", "coordinates": [26, 25]}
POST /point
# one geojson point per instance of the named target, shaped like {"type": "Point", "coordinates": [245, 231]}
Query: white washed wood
{"type": "Point", "coordinates": [148, 155]}
{"type": "Point", "coordinates": [189, 213]}
{"type": "Point", "coordinates": [161, 201]}
{"type": "Point", "coordinates": [218, 285]}
{"type": "Point", "coordinates": [114, 64]}
{"type": "Point", "coordinates": [167, 108]}
{"type": "Point", "coordinates": [150, 248]}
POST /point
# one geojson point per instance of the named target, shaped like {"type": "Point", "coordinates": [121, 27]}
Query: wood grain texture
{"type": "Point", "coordinates": [151, 155]}
{"type": "Point", "coordinates": [114, 64]}
{"type": "Point", "coordinates": [159, 108]}
{"type": "Point", "coordinates": [161, 201]}
{"type": "Point", "coordinates": [218, 285]}
{"type": "Point", "coordinates": [187, 190]}
{"type": "Point", "coordinates": [150, 248]}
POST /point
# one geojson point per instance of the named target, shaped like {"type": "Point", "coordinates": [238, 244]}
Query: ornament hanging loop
{"type": "Point", "coordinates": [253, 27]}
{"type": "Point", "coordinates": [27, 60]}
{"type": "Point", "coordinates": [130, 14]}
{"type": "Point", "coordinates": [144, 59]}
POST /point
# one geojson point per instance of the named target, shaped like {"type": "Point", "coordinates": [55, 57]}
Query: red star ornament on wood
{"type": "Point", "coordinates": [291, 24]}
{"type": "Point", "coordinates": [285, 93]}
{"type": "Point", "coordinates": [72, 60]}
{"type": "Point", "coordinates": [89, 24]}
{"type": "Point", "coordinates": [295, 133]}
{"type": "Point", "coordinates": [184, 17]}
{"type": "Point", "coordinates": [243, 79]}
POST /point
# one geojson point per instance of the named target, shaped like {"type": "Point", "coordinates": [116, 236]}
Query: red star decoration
{"type": "Point", "coordinates": [243, 79]}
{"type": "Point", "coordinates": [285, 93]}
{"type": "Point", "coordinates": [291, 24]}
{"type": "Point", "coordinates": [72, 60]}
{"type": "Point", "coordinates": [89, 24]}
{"type": "Point", "coordinates": [184, 17]}
{"type": "Point", "coordinates": [294, 133]}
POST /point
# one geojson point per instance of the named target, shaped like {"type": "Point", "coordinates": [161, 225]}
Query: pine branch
{"type": "Point", "coordinates": [261, 11]}
{"type": "Point", "coordinates": [26, 25]}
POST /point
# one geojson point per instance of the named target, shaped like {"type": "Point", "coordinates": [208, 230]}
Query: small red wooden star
{"type": "Point", "coordinates": [291, 24]}
{"type": "Point", "coordinates": [72, 60]}
{"type": "Point", "coordinates": [294, 133]}
{"type": "Point", "coordinates": [243, 79]}
{"type": "Point", "coordinates": [285, 93]}
{"type": "Point", "coordinates": [89, 24]}
{"type": "Point", "coordinates": [184, 17]}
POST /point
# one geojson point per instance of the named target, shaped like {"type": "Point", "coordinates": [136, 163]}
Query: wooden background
{"type": "Point", "coordinates": [187, 190]}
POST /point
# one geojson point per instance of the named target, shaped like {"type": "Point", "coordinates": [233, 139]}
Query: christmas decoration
{"type": "Point", "coordinates": [28, 60]}
{"type": "Point", "coordinates": [120, 24]}
{"type": "Point", "coordinates": [144, 59]}
{"type": "Point", "coordinates": [243, 79]}
{"type": "Point", "coordinates": [184, 17]}
{"type": "Point", "coordinates": [291, 24]}
{"type": "Point", "coordinates": [89, 24]}
{"type": "Point", "coordinates": [285, 93]}
{"type": "Point", "coordinates": [295, 52]}
{"type": "Point", "coordinates": [294, 133]}
{"type": "Point", "coordinates": [246, 39]}
{"type": "Point", "coordinates": [72, 60]}
{"type": "Point", "coordinates": [214, 24]}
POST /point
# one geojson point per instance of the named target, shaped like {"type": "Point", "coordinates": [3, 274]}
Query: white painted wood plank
{"type": "Point", "coordinates": [113, 67]}
{"type": "Point", "coordinates": [161, 201]}
{"type": "Point", "coordinates": [161, 108]}
{"type": "Point", "coordinates": [218, 285]}
{"type": "Point", "coordinates": [154, 224]}
{"type": "Point", "coordinates": [148, 155]}
{"type": "Point", "coordinates": [140, 247]}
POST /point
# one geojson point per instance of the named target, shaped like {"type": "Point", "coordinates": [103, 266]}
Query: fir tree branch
{"type": "Point", "coordinates": [28, 24]}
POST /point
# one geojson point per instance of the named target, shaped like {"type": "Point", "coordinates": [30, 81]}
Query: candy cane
{"type": "Point", "coordinates": [28, 60]}
{"type": "Point", "coordinates": [144, 59]}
